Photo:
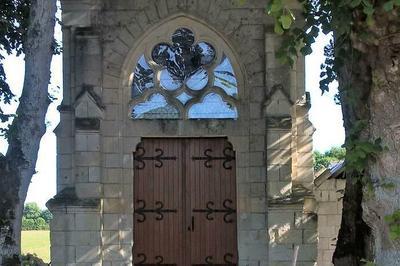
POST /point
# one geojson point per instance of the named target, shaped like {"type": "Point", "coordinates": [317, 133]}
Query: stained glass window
{"type": "Point", "coordinates": [184, 76]}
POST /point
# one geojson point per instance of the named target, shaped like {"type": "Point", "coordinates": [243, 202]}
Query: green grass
{"type": "Point", "coordinates": [36, 242]}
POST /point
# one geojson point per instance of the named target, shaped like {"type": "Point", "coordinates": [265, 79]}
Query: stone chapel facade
{"type": "Point", "coordinates": [177, 118]}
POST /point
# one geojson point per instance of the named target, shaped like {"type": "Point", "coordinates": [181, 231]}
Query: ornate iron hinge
{"type": "Point", "coordinates": [159, 210]}
{"type": "Point", "coordinates": [229, 156]}
{"type": "Point", "coordinates": [158, 158]}
{"type": "Point", "coordinates": [159, 260]}
{"type": "Point", "coordinates": [209, 210]}
{"type": "Point", "coordinates": [228, 257]}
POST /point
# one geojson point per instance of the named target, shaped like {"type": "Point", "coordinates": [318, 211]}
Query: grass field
{"type": "Point", "coordinates": [36, 242]}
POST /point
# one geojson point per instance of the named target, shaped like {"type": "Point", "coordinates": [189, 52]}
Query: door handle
{"type": "Point", "coordinates": [191, 227]}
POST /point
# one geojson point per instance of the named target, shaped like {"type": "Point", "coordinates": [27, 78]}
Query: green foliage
{"type": "Point", "coordinates": [34, 218]}
{"type": "Point", "coordinates": [25, 260]}
{"type": "Point", "coordinates": [14, 16]}
{"type": "Point", "coordinates": [394, 224]}
{"type": "Point", "coordinates": [323, 160]}
{"type": "Point", "coordinates": [360, 152]}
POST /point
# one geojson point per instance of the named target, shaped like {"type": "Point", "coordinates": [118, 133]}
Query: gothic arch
{"type": "Point", "coordinates": [161, 33]}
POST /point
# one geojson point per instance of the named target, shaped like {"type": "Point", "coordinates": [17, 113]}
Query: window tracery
{"type": "Point", "coordinates": [180, 83]}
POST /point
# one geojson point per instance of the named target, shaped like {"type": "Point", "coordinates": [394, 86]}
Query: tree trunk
{"type": "Point", "coordinates": [370, 91]}
{"type": "Point", "coordinates": [28, 127]}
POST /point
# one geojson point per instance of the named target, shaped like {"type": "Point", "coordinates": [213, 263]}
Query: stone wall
{"type": "Point", "coordinates": [329, 196]}
{"type": "Point", "coordinates": [93, 212]}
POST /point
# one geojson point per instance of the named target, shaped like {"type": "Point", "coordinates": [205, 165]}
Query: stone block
{"type": "Point", "coordinates": [127, 161]}
{"type": "Point", "coordinates": [113, 206]}
{"type": "Point", "coordinates": [88, 190]}
{"type": "Point", "coordinates": [83, 238]}
{"type": "Point", "coordinates": [88, 254]}
{"type": "Point", "coordinates": [310, 236]}
{"type": "Point", "coordinates": [110, 237]}
{"type": "Point", "coordinates": [113, 253]}
{"type": "Point", "coordinates": [113, 176]}
{"type": "Point", "coordinates": [82, 174]}
{"type": "Point", "coordinates": [307, 252]}
{"type": "Point", "coordinates": [327, 231]}
{"type": "Point", "coordinates": [305, 220]}
{"type": "Point", "coordinates": [94, 174]}
{"type": "Point", "coordinates": [282, 252]}
{"type": "Point", "coordinates": [278, 156]}
{"type": "Point", "coordinates": [126, 237]}
{"type": "Point", "coordinates": [87, 159]}
{"type": "Point", "coordinates": [253, 252]}
{"type": "Point", "coordinates": [257, 174]}
{"type": "Point", "coordinates": [252, 221]}
{"type": "Point", "coordinates": [62, 255]}
{"type": "Point", "coordinates": [81, 142]}
{"type": "Point", "coordinates": [242, 174]}
{"type": "Point", "coordinates": [64, 161]}
{"type": "Point", "coordinates": [64, 145]}
{"type": "Point", "coordinates": [248, 237]}
{"type": "Point", "coordinates": [258, 205]}
{"type": "Point", "coordinates": [258, 190]}
{"type": "Point", "coordinates": [62, 222]}
{"type": "Point", "coordinates": [126, 221]}
{"type": "Point", "coordinates": [240, 143]}
{"type": "Point", "coordinates": [257, 143]}
{"type": "Point", "coordinates": [87, 222]}
{"type": "Point", "coordinates": [110, 96]}
{"type": "Point", "coordinates": [111, 221]}
{"type": "Point", "coordinates": [113, 160]}
{"type": "Point", "coordinates": [277, 219]}
{"type": "Point", "coordinates": [112, 112]}
{"type": "Point", "coordinates": [112, 191]}
{"type": "Point", "coordinates": [279, 189]}
{"type": "Point", "coordinates": [328, 208]}
{"type": "Point", "coordinates": [273, 173]}
{"type": "Point", "coordinates": [130, 144]}
{"type": "Point", "coordinates": [256, 159]}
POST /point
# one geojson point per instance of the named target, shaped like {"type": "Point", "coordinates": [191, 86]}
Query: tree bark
{"type": "Point", "coordinates": [370, 91]}
{"type": "Point", "coordinates": [18, 165]}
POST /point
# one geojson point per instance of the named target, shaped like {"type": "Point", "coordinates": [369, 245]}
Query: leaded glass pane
{"type": "Point", "coordinates": [213, 106]}
{"type": "Point", "coordinates": [184, 97]}
{"type": "Point", "coordinates": [224, 77]}
{"type": "Point", "coordinates": [183, 61]}
{"type": "Point", "coordinates": [142, 77]}
{"type": "Point", "coordinates": [206, 52]}
{"type": "Point", "coordinates": [198, 80]}
{"type": "Point", "coordinates": [169, 81]}
{"type": "Point", "coordinates": [156, 107]}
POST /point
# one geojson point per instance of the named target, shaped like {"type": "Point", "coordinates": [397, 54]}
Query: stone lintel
{"type": "Point", "coordinates": [68, 198]}
{"type": "Point", "coordinates": [87, 124]}
{"type": "Point", "coordinates": [281, 122]}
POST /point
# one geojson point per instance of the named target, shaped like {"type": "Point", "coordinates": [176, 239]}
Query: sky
{"type": "Point", "coordinates": [324, 114]}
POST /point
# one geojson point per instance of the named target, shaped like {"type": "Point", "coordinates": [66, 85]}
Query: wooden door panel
{"type": "Point", "coordinates": [212, 202]}
{"type": "Point", "coordinates": [159, 208]}
{"type": "Point", "coordinates": [185, 202]}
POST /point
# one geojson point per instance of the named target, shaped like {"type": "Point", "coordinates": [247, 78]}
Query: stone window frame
{"type": "Point", "coordinates": [162, 34]}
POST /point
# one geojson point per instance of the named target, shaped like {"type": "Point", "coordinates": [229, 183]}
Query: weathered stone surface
{"type": "Point", "coordinates": [97, 137]}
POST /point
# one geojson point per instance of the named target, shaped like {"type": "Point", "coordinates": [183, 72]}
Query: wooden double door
{"type": "Point", "coordinates": [185, 202]}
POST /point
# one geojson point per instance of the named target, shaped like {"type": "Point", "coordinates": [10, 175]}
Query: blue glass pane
{"type": "Point", "coordinates": [142, 77]}
{"type": "Point", "coordinates": [156, 107]}
{"type": "Point", "coordinates": [213, 106]}
{"type": "Point", "coordinates": [225, 77]}
{"type": "Point", "coordinates": [206, 52]}
{"type": "Point", "coordinates": [184, 98]}
{"type": "Point", "coordinates": [169, 81]}
{"type": "Point", "coordinates": [183, 60]}
{"type": "Point", "coordinates": [198, 80]}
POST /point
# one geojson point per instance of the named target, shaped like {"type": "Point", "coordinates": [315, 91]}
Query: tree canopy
{"type": "Point", "coordinates": [324, 160]}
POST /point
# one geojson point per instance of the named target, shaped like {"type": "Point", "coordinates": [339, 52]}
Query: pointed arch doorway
{"type": "Point", "coordinates": [185, 202]}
